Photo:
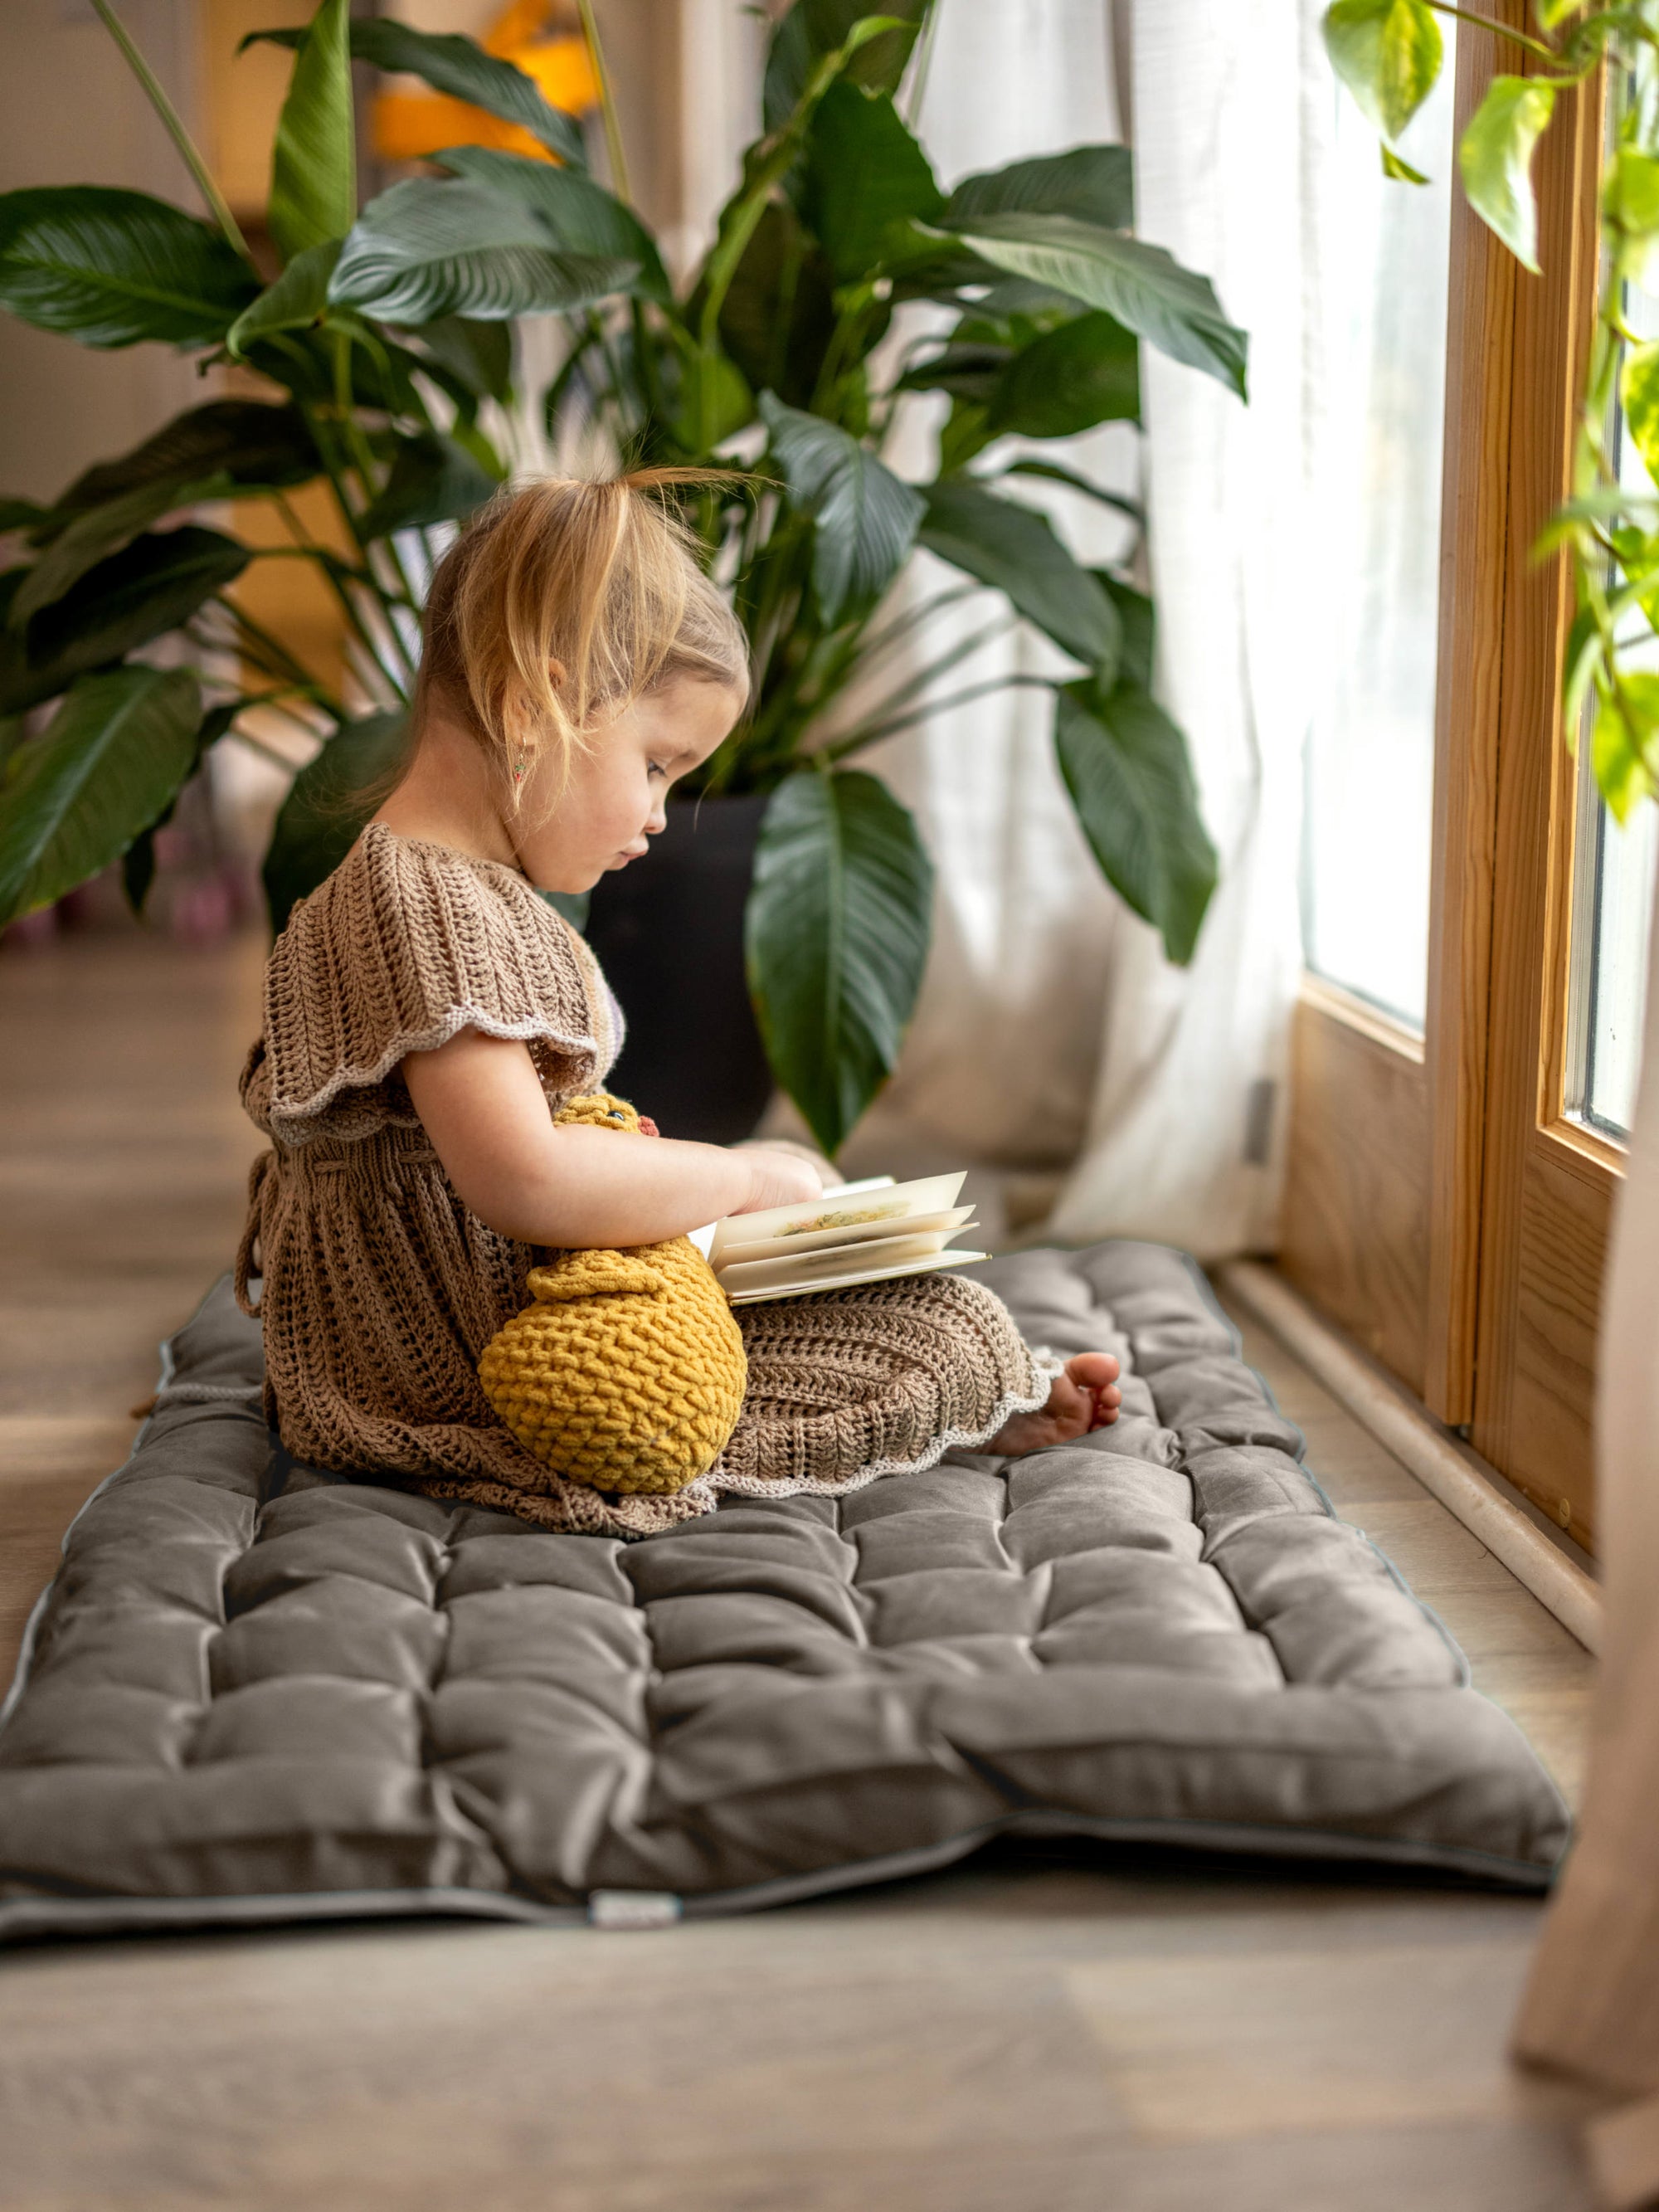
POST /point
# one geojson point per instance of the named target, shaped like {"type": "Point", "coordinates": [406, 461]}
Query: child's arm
{"type": "Point", "coordinates": [482, 1103]}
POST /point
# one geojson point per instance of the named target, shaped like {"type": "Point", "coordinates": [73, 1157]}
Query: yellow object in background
{"type": "Point", "coordinates": [409, 125]}
{"type": "Point", "coordinates": [628, 1372]}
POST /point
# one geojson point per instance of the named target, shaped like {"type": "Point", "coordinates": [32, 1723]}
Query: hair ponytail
{"type": "Point", "coordinates": [562, 602]}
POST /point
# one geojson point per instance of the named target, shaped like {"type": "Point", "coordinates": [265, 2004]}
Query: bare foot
{"type": "Point", "coordinates": [1084, 1397]}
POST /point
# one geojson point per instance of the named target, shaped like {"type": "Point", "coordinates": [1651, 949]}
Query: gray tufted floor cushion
{"type": "Point", "coordinates": [258, 1691]}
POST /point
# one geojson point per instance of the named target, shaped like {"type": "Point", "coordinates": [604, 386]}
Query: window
{"type": "Point", "coordinates": [1375, 569]}
{"type": "Point", "coordinates": [1451, 1174]}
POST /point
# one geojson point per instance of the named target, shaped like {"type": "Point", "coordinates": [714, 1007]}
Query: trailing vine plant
{"type": "Point", "coordinates": [1390, 53]}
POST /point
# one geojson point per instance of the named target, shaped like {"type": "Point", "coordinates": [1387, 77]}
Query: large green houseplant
{"type": "Point", "coordinates": [386, 343]}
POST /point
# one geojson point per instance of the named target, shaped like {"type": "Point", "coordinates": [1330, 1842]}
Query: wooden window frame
{"type": "Point", "coordinates": [1440, 1203]}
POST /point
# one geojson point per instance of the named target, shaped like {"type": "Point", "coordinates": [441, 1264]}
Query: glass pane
{"type": "Point", "coordinates": [1613, 872]}
{"type": "Point", "coordinates": [1613, 976]}
{"type": "Point", "coordinates": [1374, 562]}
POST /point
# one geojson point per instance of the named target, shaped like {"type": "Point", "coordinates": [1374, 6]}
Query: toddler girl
{"type": "Point", "coordinates": [427, 1012]}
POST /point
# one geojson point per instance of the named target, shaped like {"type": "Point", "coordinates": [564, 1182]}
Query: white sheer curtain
{"type": "Point", "coordinates": [1051, 1033]}
{"type": "Point", "coordinates": [999, 1062]}
{"type": "Point", "coordinates": [1186, 1124]}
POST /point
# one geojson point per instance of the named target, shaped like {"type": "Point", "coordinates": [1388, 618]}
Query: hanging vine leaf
{"type": "Point", "coordinates": [838, 927]}
{"type": "Point", "coordinates": [1388, 53]}
{"type": "Point", "coordinates": [104, 768]}
{"type": "Point", "coordinates": [1496, 161]}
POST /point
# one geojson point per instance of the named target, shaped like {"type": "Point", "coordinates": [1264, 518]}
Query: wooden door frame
{"type": "Point", "coordinates": [1440, 1204]}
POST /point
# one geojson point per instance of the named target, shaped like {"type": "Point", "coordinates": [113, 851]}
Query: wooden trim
{"type": "Point", "coordinates": [1548, 1185]}
{"type": "Point", "coordinates": [1359, 1014]}
{"type": "Point", "coordinates": [1474, 522]}
{"type": "Point", "coordinates": [1356, 1217]}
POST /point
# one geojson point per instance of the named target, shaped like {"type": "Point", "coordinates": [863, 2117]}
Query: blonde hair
{"type": "Point", "coordinates": [599, 577]}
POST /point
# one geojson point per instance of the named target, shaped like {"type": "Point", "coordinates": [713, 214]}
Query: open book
{"type": "Point", "coordinates": [855, 1232]}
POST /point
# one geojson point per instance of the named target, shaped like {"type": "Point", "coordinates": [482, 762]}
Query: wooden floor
{"type": "Point", "coordinates": [1141, 2034]}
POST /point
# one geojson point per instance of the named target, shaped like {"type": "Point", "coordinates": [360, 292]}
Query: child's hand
{"type": "Point", "coordinates": [777, 1178]}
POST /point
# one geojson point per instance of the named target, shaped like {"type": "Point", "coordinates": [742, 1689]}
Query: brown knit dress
{"type": "Point", "coordinates": [377, 1290]}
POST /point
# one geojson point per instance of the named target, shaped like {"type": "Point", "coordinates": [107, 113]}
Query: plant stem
{"type": "Point", "coordinates": [875, 733]}
{"type": "Point", "coordinates": [1537, 46]}
{"type": "Point", "coordinates": [613, 137]}
{"type": "Point", "coordinates": [175, 129]}
{"type": "Point", "coordinates": [279, 661]}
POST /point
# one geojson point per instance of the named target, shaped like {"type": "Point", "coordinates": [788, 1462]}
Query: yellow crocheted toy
{"type": "Point", "coordinates": [628, 1372]}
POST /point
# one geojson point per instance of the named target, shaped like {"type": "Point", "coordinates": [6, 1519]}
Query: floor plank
{"type": "Point", "coordinates": [1024, 2034]}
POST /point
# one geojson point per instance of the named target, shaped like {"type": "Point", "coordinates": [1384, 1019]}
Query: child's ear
{"type": "Point", "coordinates": [557, 673]}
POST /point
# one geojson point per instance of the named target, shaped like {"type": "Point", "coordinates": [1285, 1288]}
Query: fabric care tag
{"type": "Point", "coordinates": [632, 1908]}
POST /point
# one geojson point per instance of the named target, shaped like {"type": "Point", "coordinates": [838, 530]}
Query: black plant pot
{"type": "Point", "coordinates": [668, 932]}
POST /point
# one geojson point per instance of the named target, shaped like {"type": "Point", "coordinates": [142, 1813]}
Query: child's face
{"type": "Point", "coordinates": [613, 800]}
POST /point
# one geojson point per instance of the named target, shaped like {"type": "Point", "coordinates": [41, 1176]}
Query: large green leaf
{"type": "Point", "coordinates": [425, 249]}
{"type": "Point", "coordinates": [1087, 372]}
{"type": "Point", "coordinates": [479, 353]}
{"type": "Point", "coordinates": [813, 28]}
{"type": "Point", "coordinates": [148, 587]}
{"type": "Point", "coordinates": [313, 167]}
{"type": "Point", "coordinates": [451, 63]}
{"type": "Point", "coordinates": [1141, 285]}
{"type": "Point", "coordinates": [104, 768]}
{"type": "Point", "coordinates": [1096, 184]}
{"type": "Point", "coordinates": [325, 809]}
{"type": "Point", "coordinates": [968, 369]}
{"type": "Point", "coordinates": [579, 215]}
{"type": "Point", "coordinates": [100, 530]}
{"type": "Point", "coordinates": [1495, 158]}
{"type": "Point", "coordinates": [1139, 618]}
{"type": "Point", "coordinates": [111, 268]}
{"type": "Point", "coordinates": [1015, 549]}
{"type": "Point", "coordinates": [433, 480]}
{"type": "Point", "coordinates": [1125, 765]}
{"type": "Point", "coordinates": [297, 300]}
{"type": "Point", "coordinates": [863, 172]}
{"type": "Point", "coordinates": [1387, 53]}
{"type": "Point", "coordinates": [838, 925]}
{"type": "Point", "coordinates": [778, 315]}
{"type": "Point", "coordinates": [246, 439]}
{"type": "Point", "coordinates": [707, 400]}
{"type": "Point", "coordinates": [864, 518]}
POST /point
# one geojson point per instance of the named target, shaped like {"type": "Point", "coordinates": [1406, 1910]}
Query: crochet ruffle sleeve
{"type": "Point", "coordinates": [403, 946]}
